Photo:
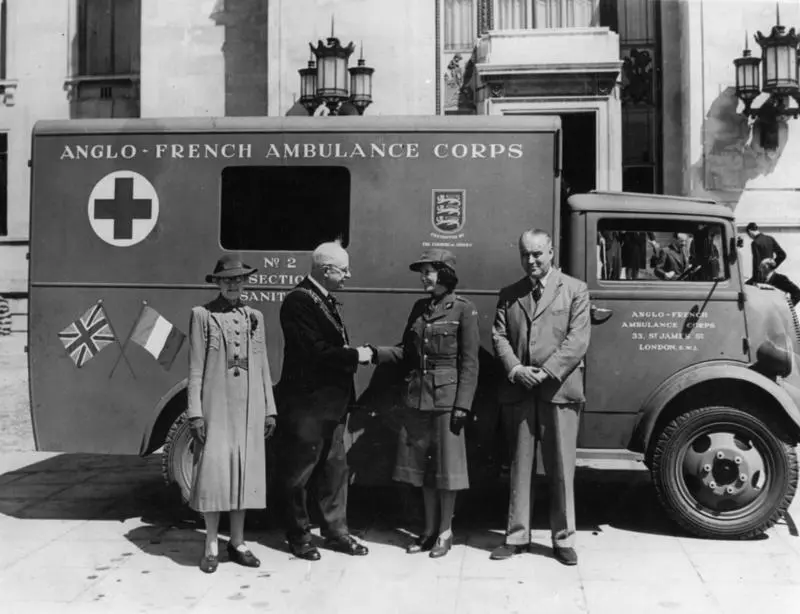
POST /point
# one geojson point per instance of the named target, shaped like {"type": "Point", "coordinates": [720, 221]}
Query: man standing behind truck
{"type": "Point", "coordinates": [541, 335]}
{"type": "Point", "coordinates": [763, 247]}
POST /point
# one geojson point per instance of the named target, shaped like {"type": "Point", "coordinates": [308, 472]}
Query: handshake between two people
{"type": "Point", "coordinates": [366, 354]}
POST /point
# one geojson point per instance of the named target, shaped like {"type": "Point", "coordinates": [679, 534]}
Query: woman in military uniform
{"type": "Point", "coordinates": [440, 348]}
{"type": "Point", "coordinates": [231, 410]}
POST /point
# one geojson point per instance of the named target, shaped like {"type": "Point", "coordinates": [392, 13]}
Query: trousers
{"type": "Point", "coordinates": [555, 426]}
{"type": "Point", "coordinates": [317, 462]}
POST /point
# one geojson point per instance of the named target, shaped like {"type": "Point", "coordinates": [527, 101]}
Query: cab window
{"type": "Point", "coordinates": [660, 250]}
{"type": "Point", "coordinates": [291, 208]}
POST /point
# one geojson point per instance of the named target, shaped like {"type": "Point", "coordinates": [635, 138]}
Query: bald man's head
{"type": "Point", "coordinates": [330, 265]}
{"type": "Point", "coordinates": [536, 253]}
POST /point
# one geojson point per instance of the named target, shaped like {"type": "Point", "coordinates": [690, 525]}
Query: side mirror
{"type": "Point", "coordinates": [733, 254]}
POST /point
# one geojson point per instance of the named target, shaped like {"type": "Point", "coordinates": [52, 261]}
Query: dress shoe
{"type": "Point", "coordinates": [246, 558]}
{"type": "Point", "coordinates": [441, 547]}
{"type": "Point", "coordinates": [567, 556]}
{"type": "Point", "coordinates": [305, 550]}
{"type": "Point", "coordinates": [346, 544]}
{"type": "Point", "coordinates": [209, 563]}
{"type": "Point", "coordinates": [422, 544]}
{"type": "Point", "coordinates": [506, 551]}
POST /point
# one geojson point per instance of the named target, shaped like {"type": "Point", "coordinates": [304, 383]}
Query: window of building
{"type": "Point", "coordinates": [459, 29]}
{"type": "Point", "coordinates": [108, 44]}
{"type": "Point", "coordinates": [284, 208]}
{"type": "Point", "coordinates": [109, 37]}
{"type": "Point", "coordinates": [3, 183]}
{"type": "Point", "coordinates": [660, 250]}
{"type": "Point", "coordinates": [638, 25]}
{"type": "Point", "coordinates": [527, 14]}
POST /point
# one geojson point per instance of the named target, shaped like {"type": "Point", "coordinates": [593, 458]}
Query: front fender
{"type": "Point", "coordinates": [696, 375]}
{"type": "Point", "coordinates": [159, 424]}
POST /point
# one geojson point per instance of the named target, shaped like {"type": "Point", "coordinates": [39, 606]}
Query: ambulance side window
{"type": "Point", "coordinates": [660, 250]}
{"type": "Point", "coordinates": [292, 208]}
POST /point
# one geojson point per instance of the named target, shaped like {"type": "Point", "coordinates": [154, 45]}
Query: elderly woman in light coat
{"type": "Point", "coordinates": [231, 411]}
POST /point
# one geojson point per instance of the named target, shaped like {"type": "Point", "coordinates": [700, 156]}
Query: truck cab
{"type": "Point", "coordinates": [686, 365]}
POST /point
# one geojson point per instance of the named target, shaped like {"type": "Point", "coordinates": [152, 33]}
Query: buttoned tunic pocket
{"type": "Point", "coordinates": [445, 384]}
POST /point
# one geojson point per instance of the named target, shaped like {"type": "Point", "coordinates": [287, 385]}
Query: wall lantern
{"type": "Point", "coordinates": [324, 86]}
{"type": "Point", "coordinates": [778, 79]}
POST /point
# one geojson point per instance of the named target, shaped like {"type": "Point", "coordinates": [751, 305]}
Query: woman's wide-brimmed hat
{"type": "Point", "coordinates": [435, 256]}
{"type": "Point", "coordinates": [230, 266]}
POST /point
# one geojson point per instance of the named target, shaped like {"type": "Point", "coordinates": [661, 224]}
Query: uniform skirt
{"type": "Point", "coordinates": [428, 454]}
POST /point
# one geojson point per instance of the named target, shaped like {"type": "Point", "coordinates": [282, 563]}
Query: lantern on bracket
{"type": "Point", "coordinates": [324, 82]}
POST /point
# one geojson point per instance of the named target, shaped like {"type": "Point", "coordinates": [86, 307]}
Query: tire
{"type": "Point", "coordinates": [698, 463]}
{"type": "Point", "coordinates": [176, 459]}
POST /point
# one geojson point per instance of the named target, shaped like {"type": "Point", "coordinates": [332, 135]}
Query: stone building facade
{"type": "Point", "coordinates": [644, 87]}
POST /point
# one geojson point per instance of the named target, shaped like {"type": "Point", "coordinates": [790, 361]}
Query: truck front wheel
{"type": "Point", "coordinates": [176, 459]}
{"type": "Point", "coordinates": [723, 473]}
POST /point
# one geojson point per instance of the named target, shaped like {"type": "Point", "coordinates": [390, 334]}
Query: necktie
{"type": "Point", "coordinates": [537, 290]}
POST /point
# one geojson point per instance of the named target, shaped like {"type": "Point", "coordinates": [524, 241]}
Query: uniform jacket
{"type": "Point", "coordinates": [553, 335]}
{"type": "Point", "coordinates": [317, 377]}
{"type": "Point", "coordinates": [234, 450]}
{"type": "Point", "coordinates": [440, 347]}
{"type": "Point", "coordinates": [671, 258]}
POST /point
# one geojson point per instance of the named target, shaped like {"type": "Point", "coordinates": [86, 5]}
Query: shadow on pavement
{"type": "Point", "coordinates": [121, 488]}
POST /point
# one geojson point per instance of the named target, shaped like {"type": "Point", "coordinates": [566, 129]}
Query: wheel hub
{"type": "Point", "coordinates": [724, 471]}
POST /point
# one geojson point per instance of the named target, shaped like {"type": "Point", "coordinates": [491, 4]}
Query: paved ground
{"type": "Point", "coordinates": [83, 534]}
{"type": "Point", "coordinates": [15, 420]}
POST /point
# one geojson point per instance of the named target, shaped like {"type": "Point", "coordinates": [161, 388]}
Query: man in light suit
{"type": "Point", "coordinates": [541, 335]}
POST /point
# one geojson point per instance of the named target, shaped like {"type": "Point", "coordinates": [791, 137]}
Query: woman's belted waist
{"type": "Point", "coordinates": [439, 363]}
{"type": "Point", "coordinates": [240, 363]}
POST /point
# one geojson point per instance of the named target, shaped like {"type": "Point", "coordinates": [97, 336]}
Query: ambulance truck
{"type": "Point", "coordinates": [695, 372]}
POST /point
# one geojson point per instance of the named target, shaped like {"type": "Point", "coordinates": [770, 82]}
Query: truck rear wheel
{"type": "Point", "coordinates": [723, 473]}
{"type": "Point", "coordinates": [176, 459]}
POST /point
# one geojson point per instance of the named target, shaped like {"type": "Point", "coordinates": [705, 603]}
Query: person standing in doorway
{"type": "Point", "coordinates": [541, 335]}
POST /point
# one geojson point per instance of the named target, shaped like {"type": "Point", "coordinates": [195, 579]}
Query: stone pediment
{"type": "Point", "coordinates": [555, 61]}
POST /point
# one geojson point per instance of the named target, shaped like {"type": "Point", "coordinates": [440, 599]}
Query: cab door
{"type": "Point", "coordinates": [662, 299]}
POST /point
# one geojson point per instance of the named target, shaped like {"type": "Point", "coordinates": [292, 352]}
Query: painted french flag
{"type": "Point", "coordinates": [158, 336]}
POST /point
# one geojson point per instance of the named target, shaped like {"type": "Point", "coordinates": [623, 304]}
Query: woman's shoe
{"type": "Point", "coordinates": [441, 547]}
{"type": "Point", "coordinates": [209, 563]}
{"type": "Point", "coordinates": [246, 558]}
{"type": "Point", "coordinates": [422, 544]}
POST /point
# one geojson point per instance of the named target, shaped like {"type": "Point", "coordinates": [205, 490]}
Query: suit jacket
{"type": "Point", "coordinates": [671, 258]}
{"type": "Point", "coordinates": [765, 246]}
{"type": "Point", "coordinates": [553, 334]}
{"type": "Point", "coordinates": [783, 283]}
{"type": "Point", "coordinates": [317, 377]}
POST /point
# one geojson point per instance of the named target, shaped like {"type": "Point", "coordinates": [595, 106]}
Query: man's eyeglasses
{"type": "Point", "coordinates": [343, 270]}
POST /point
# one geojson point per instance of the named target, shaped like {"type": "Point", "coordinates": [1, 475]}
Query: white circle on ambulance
{"type": "Point", "coordinates": [123, 208]}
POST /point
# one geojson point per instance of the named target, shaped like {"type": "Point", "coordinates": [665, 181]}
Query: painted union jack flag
{"type": "Point", "coordinates": [86, 336]}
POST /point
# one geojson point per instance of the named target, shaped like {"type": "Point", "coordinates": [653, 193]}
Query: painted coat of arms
{"type": "Point", "coordinates": [448, 210]}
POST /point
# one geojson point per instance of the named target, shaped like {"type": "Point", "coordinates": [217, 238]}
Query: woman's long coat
{"type": "Point", "coordinates": [229, 470]}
